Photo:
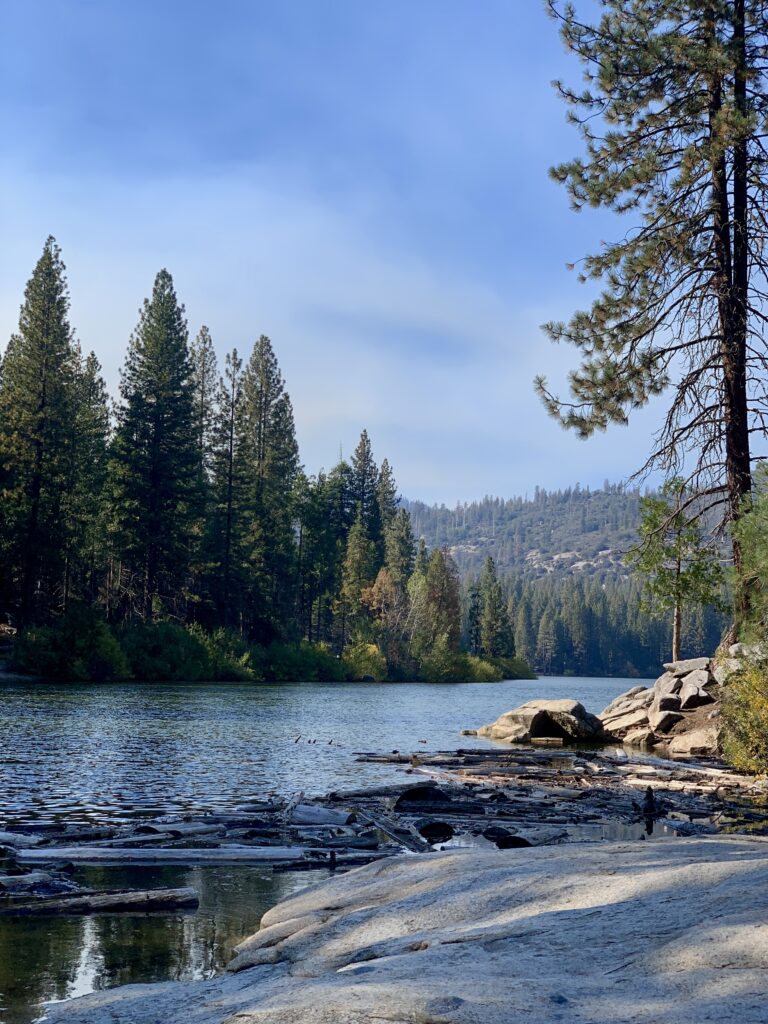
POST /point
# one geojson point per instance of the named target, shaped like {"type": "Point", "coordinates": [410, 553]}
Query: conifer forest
{"type": "Point", "coordinates": [180, 518]}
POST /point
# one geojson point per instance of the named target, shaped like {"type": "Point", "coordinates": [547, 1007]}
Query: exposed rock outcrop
{"type": "Point", "coordinates": [666, 933]}
{"type": "Point", "coordinates": [539, 719]}
{"type": "Point", "coordinates": [676, 713]}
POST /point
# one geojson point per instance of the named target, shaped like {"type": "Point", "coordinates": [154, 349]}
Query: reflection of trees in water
{"type": "Point", "coordinates": [61, 955]}
{"type": "Point", "coordinates": [40, 959]}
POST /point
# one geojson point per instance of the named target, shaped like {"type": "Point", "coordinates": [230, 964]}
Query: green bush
{"type": "Point", "coordinates": [302, 662]}
{"type": "Point", "coordinates": [79, 647]}
{"type": "Point", "coordinates": [364, 661]}
{"type": "Point", "coordinates": [230, 659]}
{"type": "Point", "coordinates": [745, 719]}
{"type": "Point", "coordinates": [514, 668]}
{"type": "Point", "coordinates": [165, 652]}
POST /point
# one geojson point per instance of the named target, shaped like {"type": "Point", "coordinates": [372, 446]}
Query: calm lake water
{"type": "Point", "coordinates": [114, 753]}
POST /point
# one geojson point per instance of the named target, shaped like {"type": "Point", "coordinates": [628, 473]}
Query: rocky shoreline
{"type": "Point", "coordinates": [509, 884]}
{"type": "Point", "coordinates": [679, 716]}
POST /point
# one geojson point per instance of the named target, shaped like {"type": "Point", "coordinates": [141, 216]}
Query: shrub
{"type": "Point", "coordinates": [165, 652]}
{"type": "Point", "coordinates": [229, 657]}
{"type": "Point", "coordinates": [515, 668]}
{"type": "Point", "coordinates": [745, 719]}
{"type": "Point", "coordinates": [365, 661]}
{"type": "Point", "coordinates": [79, 647]}
{"type": "Point", "coordinates": [302, 662]}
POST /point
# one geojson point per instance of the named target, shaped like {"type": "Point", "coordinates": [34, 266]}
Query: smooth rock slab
{"type": "Point", "coordinates": [624, 723]}
{"type": "Point", "coordinates": [682, 668]}
{"type": "Point", "coordinates": [697, 741]}
{"type": "Point", "coordinates": [607, 933]}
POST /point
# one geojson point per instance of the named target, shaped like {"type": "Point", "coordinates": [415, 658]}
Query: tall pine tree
{"type": "Point", "coordinates": [271, 470]}
{"type": "Point", "coordinates": [38, 407]}
{"type": "Point", "coordinates": [155, 461]}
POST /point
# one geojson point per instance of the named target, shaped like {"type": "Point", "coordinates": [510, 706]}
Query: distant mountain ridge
{"type": "Point", "coordinates": [572, 532]}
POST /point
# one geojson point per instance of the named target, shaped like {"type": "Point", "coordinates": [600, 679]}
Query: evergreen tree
{"type": "Point", "coordinates": [443, 599]}
{"type": "Point", "coordinates": [226, 523]}
{"type": "Point", "coordinates": [495, 632]}
{"type": "Point", "coordinates": [358, 574]}
{"type": "Point", "coordinates": [673, 117]}
{"type": "Point", "coordinates": [399, 548]}
{"type": "Point", "coordinates": [271, 470]}
{"type": "Point", "coordinates": [546, 644]}
{"type": "Point", "coordinates": [205, 382]}
{"type": "Point", "coordinates": [154, 462]}
{"type": "Point", "coordinates": [38, 408]}
{"type": "Point", "coordinates": [474, 615]}
{"type": "Point", "coordinates": [386, 496]}
{"type": "Point", "coordinates": [365, 490]}
{"type": "Point", "coordinates": [676, 567]}
{"type": "Point", "coordinates": [86, 499]}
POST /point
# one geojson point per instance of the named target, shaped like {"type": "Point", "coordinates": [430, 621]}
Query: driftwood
{"type": "Point", "coordinates": [193, 855]}
{"type": "Point", "coordinates": [132, 902]}
{"type": "Point", "coordinates": [315, 814]}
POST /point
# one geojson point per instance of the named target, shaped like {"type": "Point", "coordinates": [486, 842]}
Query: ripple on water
{"type": "Point", "coordinates": [107, 753]}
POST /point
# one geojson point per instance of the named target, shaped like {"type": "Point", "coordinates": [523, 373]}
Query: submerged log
{"type": "Point", "coordinates": [136, 902]}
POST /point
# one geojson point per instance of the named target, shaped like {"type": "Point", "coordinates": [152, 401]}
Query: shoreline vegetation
{"type": "Point", "coordinates": [82, 647]}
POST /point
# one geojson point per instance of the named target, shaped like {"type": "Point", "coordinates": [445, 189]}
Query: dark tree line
{"type": "Point", "coordinates": [187, 503]}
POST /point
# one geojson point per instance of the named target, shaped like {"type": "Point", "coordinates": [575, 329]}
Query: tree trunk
{"type": "Point", "coordinates": [731, 259]}
{"type": "Point", "coordinates": [677, 618]}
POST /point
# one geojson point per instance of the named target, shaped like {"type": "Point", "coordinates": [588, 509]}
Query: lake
{"type": "Point", "coordinates": [92, 754]}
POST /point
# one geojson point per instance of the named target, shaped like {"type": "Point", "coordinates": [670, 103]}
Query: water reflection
{"type": "Point", "coordinates": [93, 754]}
{"type": "Point", "coordinates": [58, 958]}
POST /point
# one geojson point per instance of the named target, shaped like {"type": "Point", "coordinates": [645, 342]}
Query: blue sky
{"type": "Point", "coordinates": [364, 182]}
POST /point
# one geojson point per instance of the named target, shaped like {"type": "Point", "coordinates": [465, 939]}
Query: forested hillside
{"type": "Point", "coordinates": [560, 556]}
{"type": "Point", "coordinates": [576, 530]}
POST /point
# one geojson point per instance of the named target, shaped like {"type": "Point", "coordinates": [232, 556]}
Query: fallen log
{"type": "Point", "coordinates": [315, 814]}
{"type": "Point", "coordinates": [133, 902]}
{"type": "Point", "coordinates": [234, 854]}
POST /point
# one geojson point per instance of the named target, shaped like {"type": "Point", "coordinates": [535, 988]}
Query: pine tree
{"type": "Point", "coordinates": [364, 489]}
{"type": "Point", "coordinates": [524, 642]}
{"type": "Point", "coordinates": [443, 599]}
{"type": "Point", "coordinates": [676, 566]}
{"type": "Point", "coordinates": [474, 614]}
{"type": "Point", "coordinates": [546, 643]}
{"type": "Point", "coordinates": [86, 499]}
{"type": "Point", "coordinates": [205, 380]}
{"type": "Point", "coordinates": [399, 548]}
{"type": "Point", "coordinates": [38, 407]}
{"type": "Point", "coordinates": [358, 574]}
{"type": "Point", "coordinates": [386, 496]}
{"type": "Point", "coordinates": [271, 468]}
{"type": "Point", "coordinates": [495, 632]}
{"type": "Point", "coordinates": [672, 118]}
{"type": "Point", "coordinates": [226, 522]}
{"type": "Point", "coordinates": [154, 461]}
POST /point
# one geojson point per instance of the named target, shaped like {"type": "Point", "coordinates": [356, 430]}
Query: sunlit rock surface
{"type": "Point", "coordinates": [673, 932]}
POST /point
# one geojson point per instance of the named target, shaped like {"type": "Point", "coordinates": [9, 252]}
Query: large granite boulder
{"type": "Point", "coordinates": [539, 719]}
{"type": "Point", "coordinates": [663, 715]}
